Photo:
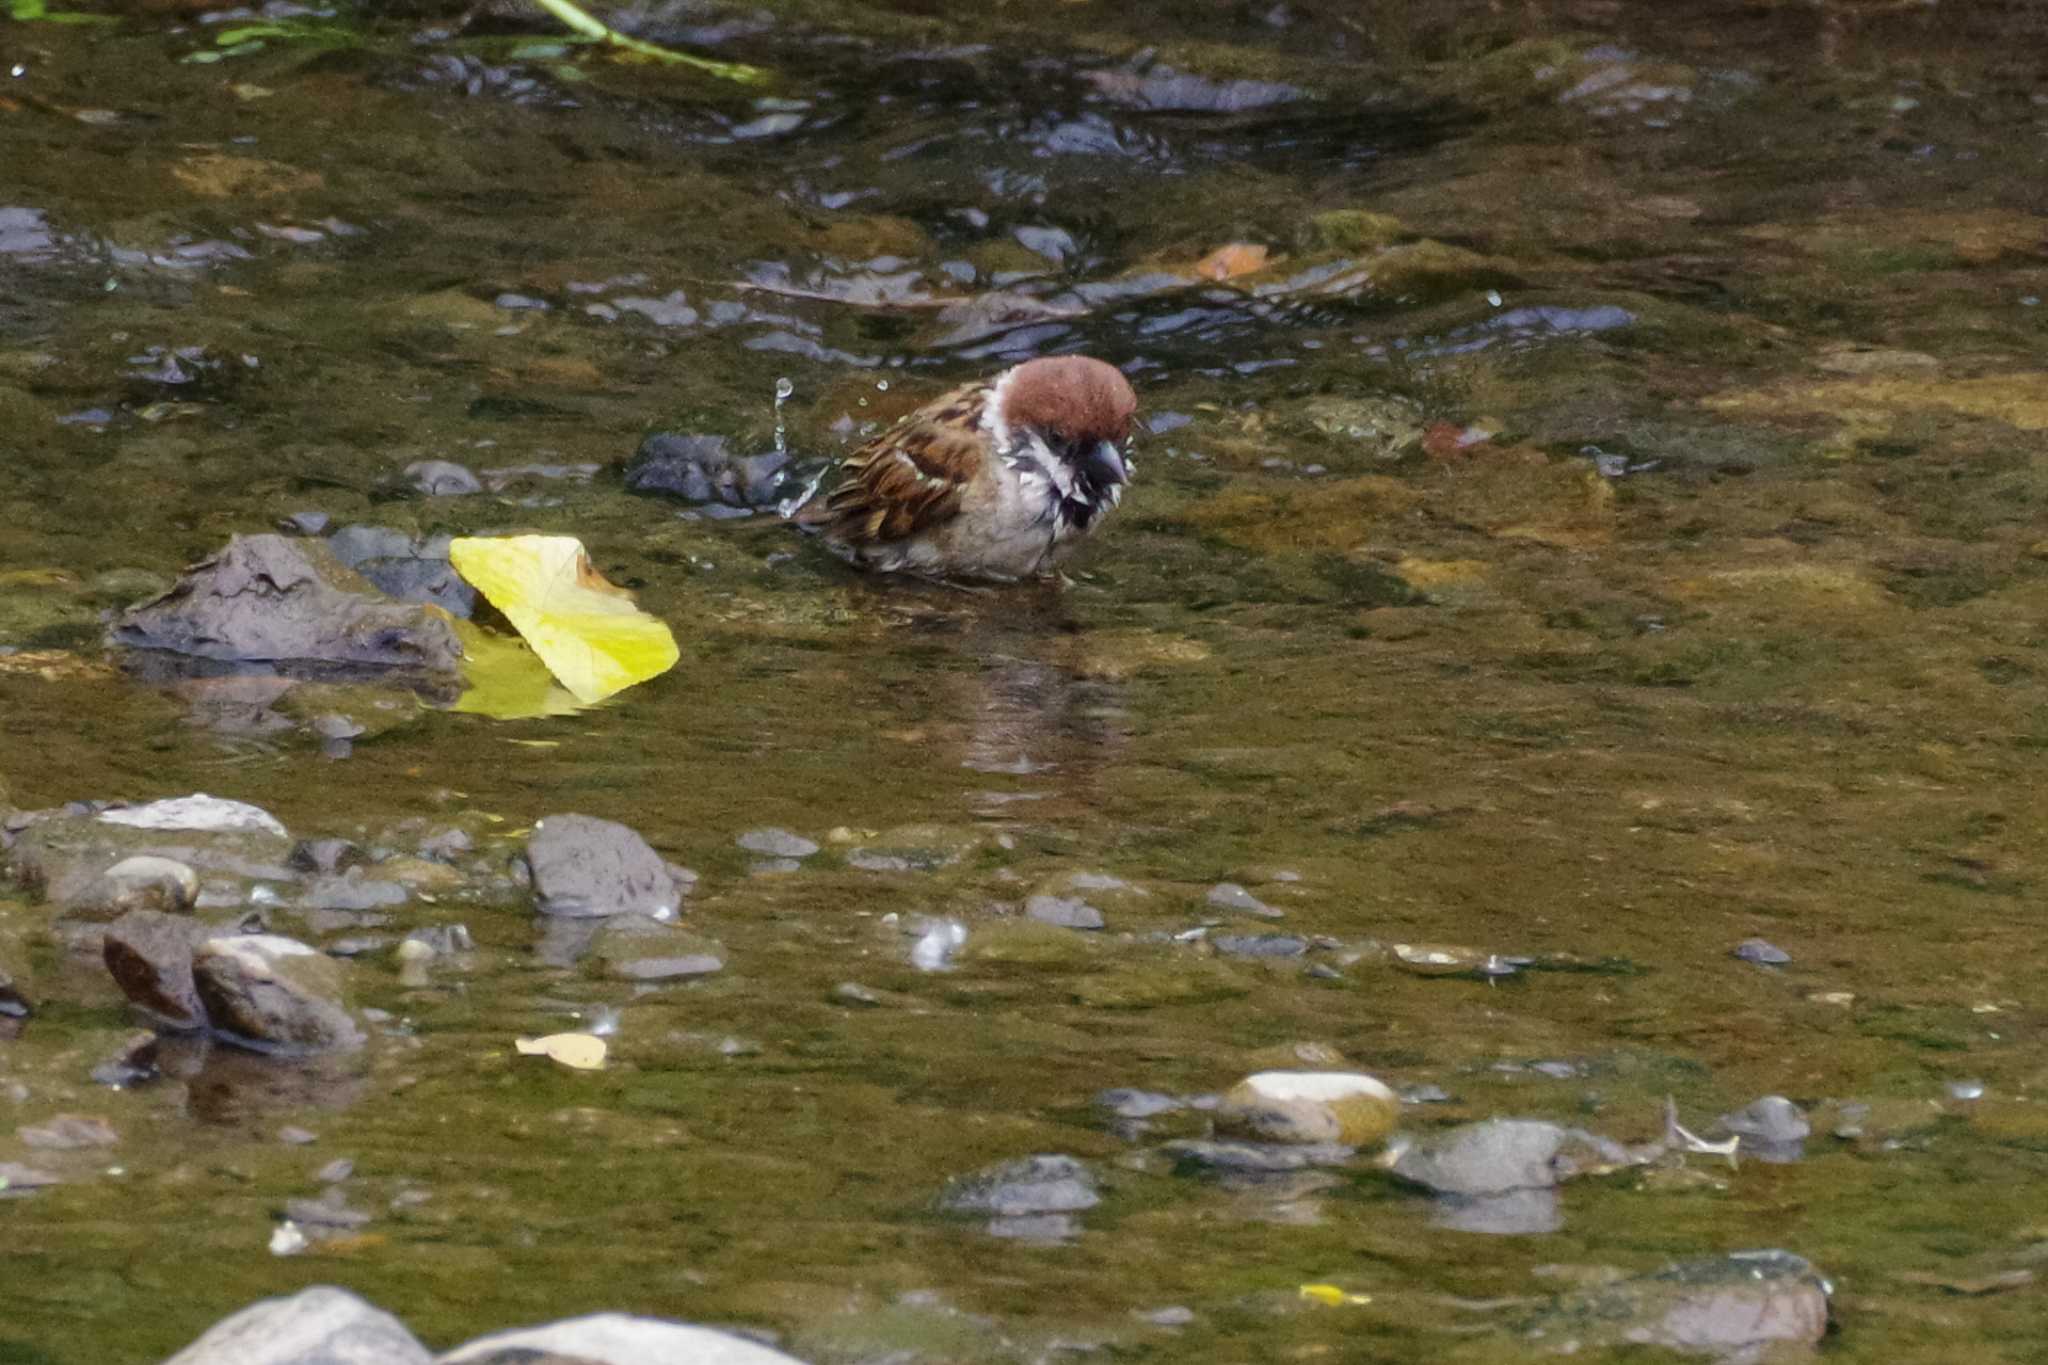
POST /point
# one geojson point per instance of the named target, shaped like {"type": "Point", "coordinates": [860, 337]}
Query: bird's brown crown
{"type": "Point", "coordinates": [1071, 396]}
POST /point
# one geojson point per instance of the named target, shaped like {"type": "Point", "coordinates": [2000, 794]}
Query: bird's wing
{"type": "Point", "coordinates": [909, 479]}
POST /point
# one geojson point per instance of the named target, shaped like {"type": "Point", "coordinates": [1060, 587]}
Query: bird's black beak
{"type": "Point", "coordinates": [1103, 464]}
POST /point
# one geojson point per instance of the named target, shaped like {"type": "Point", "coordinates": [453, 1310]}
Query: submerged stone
{"type": "Point", "coordinates": [1030, 1185]}
{"type": "Point", "coordinates": [1733, 1307]}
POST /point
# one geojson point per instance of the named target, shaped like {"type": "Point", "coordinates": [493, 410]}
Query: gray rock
{"type": "Point", "coordinates": [1762, 952]}
{"type": "Point", "coordinates": [149, 954]}
{"type": "Point", "coordinates": [17, 1179]}
{"type": "Point", "coordinates": [700, 469]}
{"type": "Point", "coordinates": [330, 1210]}
{"type": "Point", "coordinates": [64, 858]}
{"type": "Point", "coordinates": [776, 843]}
{"type": "Point", "coordinates": [584, 867]}
{"type": "Point", "coordinates": [68, 1132]}
{"type": "Point", "coordinates": [615, 1339]}
{"type": "Point", "coordinates": [1255, 1158]}
{"type": "Point", "coordinates": [353, 891]}
{"type": "Point", "coordinates": [1137, 1104]}
{"type": "Point", "coordinates": [1500, 1155]}
{"type": "Point", "coordinates": [1030, 1185]}
{"type": "Point", "coordinates": [1516, 1213]}
{"type": "Point", "coordinates": [1069, 912]}
{"type": "Point", "coordinates": [199, 812]}
{"type": "Point", "coordinates": [441, 479]}
{"type": "Point", "coordinates": [407, 568]}
{"type": "Point", "coordinates": [271, 599]}
{"type": "Point", "coordinates": [1258, 945]}
{"type": "Point", "coordinates": [14, 1006]}
{"type": "Point", "coordinates": [1740, 1306]}
{"type": "Point", "coordinates": [274, 994]}
{"type": "Point", "coordinates": [1772, 1129]}
{"type": "Point", "coordinates": [1234, 898]}
{"type": "Point", "coordinates": [318, 1326]}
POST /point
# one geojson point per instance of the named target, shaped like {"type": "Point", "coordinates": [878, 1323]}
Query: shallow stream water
{"type": "Point", "coordinates": [1605, 526]}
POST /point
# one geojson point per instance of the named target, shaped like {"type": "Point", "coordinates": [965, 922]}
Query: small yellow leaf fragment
{"type": "Point", "coordinates": [1331, 1295]}
{"type": "Point", "coordinates": [579, 1051]}
{"type": "Point", "coordinates": [1228, 262]}
{"type": "Point", "coordinates": [586, 630]}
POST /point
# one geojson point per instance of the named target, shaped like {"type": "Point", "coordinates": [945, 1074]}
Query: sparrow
{"type": "Point", "coordinates": [997, 480]}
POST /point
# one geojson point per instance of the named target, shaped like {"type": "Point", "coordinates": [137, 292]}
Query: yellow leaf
{"type": "Point", "coordinates": [582, 1051]}
{"type": "Point", "coordinates": [1331, 1295]}
{"type": "Point", "coordinates": [1228, 262]}
{"type": "Point", "coordinates": [505, 680]}
{"type": "Point", "coordinates": [588, 632]}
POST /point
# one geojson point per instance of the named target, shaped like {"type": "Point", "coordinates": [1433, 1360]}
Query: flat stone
{"type": "Point", "coordinates": [318, 1326]}
{"type": "Point", "coordinates": [68, 1132]}
{"type": "Point", "coordinates": [196, 812]}
{"type": "Point", "coordinates": [584, 867]}
{"type": "Point", "coordinates": [145, 881]}
{"type": "Point", "coordinates": [442, 479]}
{"type": "Point", "coordinates": [1030, 1185]}
{"type": "Point", "coordinates": [1238, 901]}
{"type": "Point", "coordinates": [16, 1178]}
{"type": "Point", "coordinates": [1068, 912]}
{"type": "Point", "coordinates": [776, 843]}
{"type": "Point", "coordinates": [667, 968]}
{"type": "Point", "coordinates": [1762, 952]}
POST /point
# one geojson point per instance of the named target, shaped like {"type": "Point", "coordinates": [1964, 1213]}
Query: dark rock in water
{"type": "Point", "coordinates": [325, 855]}
{"type": "Point", "coordinates": [1501, 1155]}
{"type": "Point", "coordinates": [133, 1064]}
{"type": "Point", "coordinates": [411, 570]}
{"type": "Point", "coordinates": [150, 956]}
{"type": "Point", "coordinates": [274, 994]}
{"type": "Point", "coordinates": [1255, 1158]}
{"type": "Point", "coordinates": [700, 469]}
{"type": "Point", "coordinates": [268, 599]}
{"type": "Point", "coordinates": [1031, 1185]}
{"type": "Point", "coordinates": [14, 1006]}
{"type": "Point", "coordinates": [441, 479]}
{"type": "Point", "coordinates": [318, 1326]}
{"type": "Point", "coordinates": [588, 868]}
{"type": "Point", "coordinates": [1165, 90]}
{"type": "Point", "coordinates": [1258, 945]}
{"type": "Point", "coordinates": [612, 1339]}
{"type": "Point", "coordinates": [1772, 1129]}
{"type": "Point", "coordinates": [1761, 952]}
{"type": "Point", "coordinates": [1740, 1306]}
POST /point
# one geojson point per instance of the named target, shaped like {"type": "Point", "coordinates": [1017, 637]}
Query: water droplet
{"type": "Point", "coordinates": [882, 385]}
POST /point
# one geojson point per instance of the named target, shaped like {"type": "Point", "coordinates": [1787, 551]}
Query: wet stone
{"type": "Point", "coordinates": [615, 1339]}
{"type": "Point", "coordinates": [1254, 1158]}
{"type": "Point", "coordinates": [406, 568]}
{"type": "Point", "coordinates": [133, 1063]}
{"type": "Point", "coordinates": [274, 994]}
{"type": "Point", "coordinates": [703, 470]}
{"type": "Point", "coordinates": [17, 1179]}
{"type": "Point", "coordinates": [1502, 1155]}
{"type": "Point", "coordinates": [1028, 1186]}
{"type": "Point", "coordinates": [270, 599]}
{"type": "Point", "coordinates": [68, 1132]}
{"type": "Point", "coordinates": [1761, 952]}
{"type": "Point", "coordinates": [777, 843]}
{"type": "Point", "coordinates": [327, 856]}
{"type": "Point", "coordinates": [1067, 912]}
{"type": "Point", "coordinates": [853, 993]}
{"type": "Point", "coordinates": [1734, 1307]}
{"type": "Point", "coordinates": [1238, 901]}
{"type": "Point", "coordinates": [328, 1210]}
{"type": "Point", "coordinates": [149, 954]}
{"type": "Point", "coordinates": [304, 523]}
{"type": "Point", "coordinates": [584, 867]}
{"type": "Point", "coordinates": [1137, 1104]}
{"type": "Point", "coordinates": [353, 891]}
{"type": "Point", "coordinates": [146, 882]}
{"type": "Point", "coordinates": [1309, 1108]}
{"type": "Point", "coordinates": [1772, 1129]}
{"type": "Point", "coordinates": [441, 479]}
{"type": "Point", "coordinates": [323, 1324]}
{"type": "Point", "coordinates": [1258, 945]}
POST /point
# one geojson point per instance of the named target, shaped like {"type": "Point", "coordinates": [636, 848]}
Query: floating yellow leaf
{"type": "Point", "coordinates": [582, 1051]}
{"type": "Point", "coordinates": [505, 680]}
{"type": "Point", "coordinates": [1331, 1295]}
{"type": "Point", "coordinates": [587, 631]}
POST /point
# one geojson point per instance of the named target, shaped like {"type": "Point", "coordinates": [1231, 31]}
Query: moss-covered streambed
{"type": "Point", "coordinates": [1593, 519]}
